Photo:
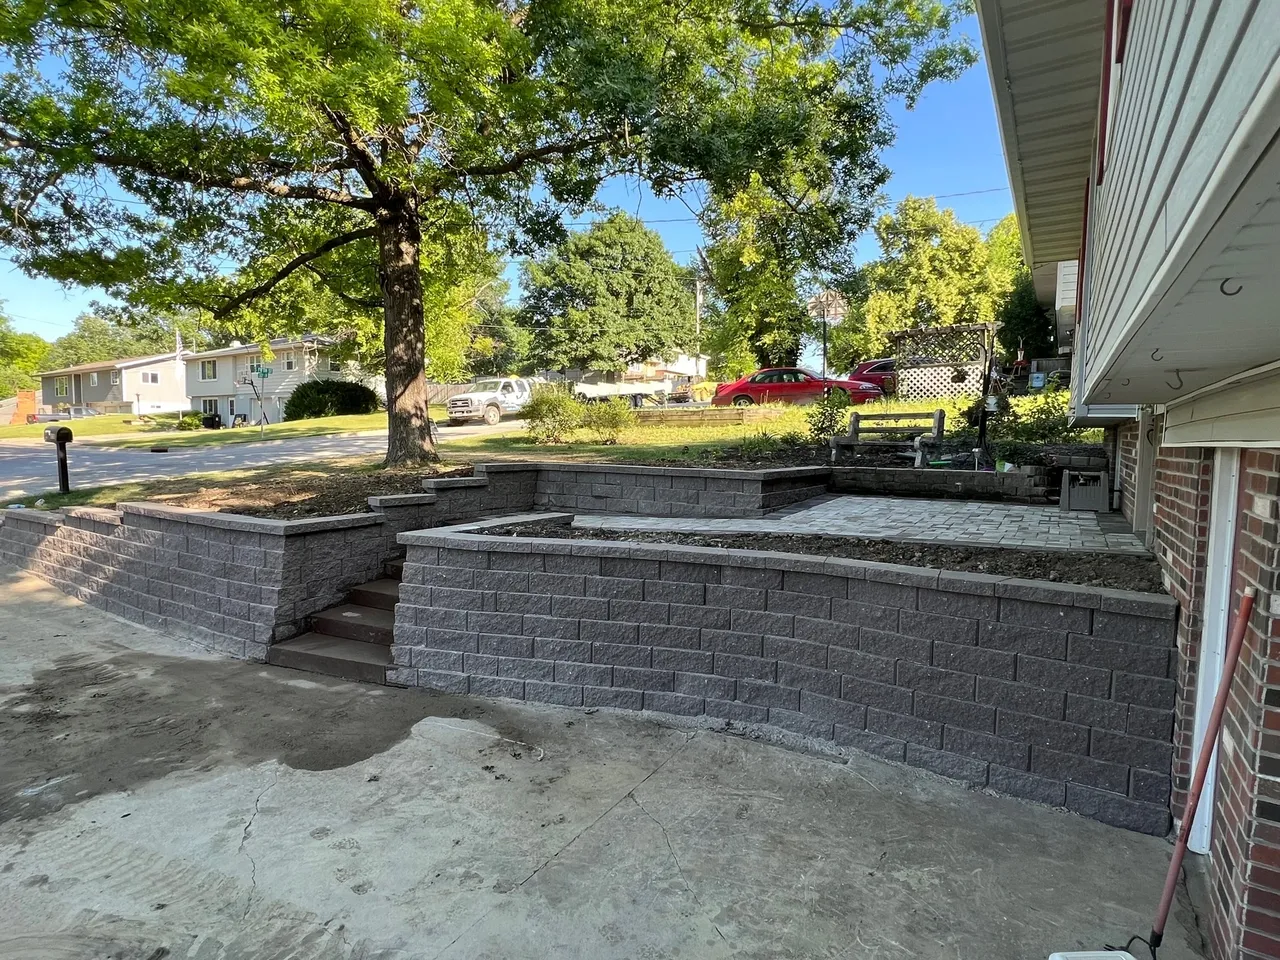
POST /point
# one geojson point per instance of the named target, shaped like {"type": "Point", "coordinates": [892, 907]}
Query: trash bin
{"type": "Point", "coordinates": [211, 421]}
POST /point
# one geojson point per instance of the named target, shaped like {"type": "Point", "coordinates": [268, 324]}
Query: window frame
{"type": "Point", "coordinates": [61, 386]}
{"type": "Point", "coordinates": [335, 366]}
{"type": "Point", "coordinates": [212, 365]}
{"type": "Point", "coordinates": [290, 361]}
{"type": "Point", "coordinates": [206, 402]}
{"type": "Point", "coordinates": [93, 378]}
{"type": "Point", "coordinates": [151, 377]}
{"type": "Point", "coordinates": [115, 378]}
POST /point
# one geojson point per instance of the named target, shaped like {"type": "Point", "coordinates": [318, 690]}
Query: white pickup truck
{"type": "Point", "coordinates": [490, 400]}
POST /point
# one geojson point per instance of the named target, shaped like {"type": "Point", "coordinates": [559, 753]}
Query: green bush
{"type": "Point", "coordinates": [1039, 418]}
{"type": "Point", "coordinates": [828, 416]}
{"type": "Point", "coordinates": [552, 414]}
{"type": "Point", "coordinates": [760, 444]}
{"type": "Point", "coordinates": [329, 398]}
{"type": "Point", "coordinates": [605, 420]}
{"type": "Point", "coordinates": [190, 421]}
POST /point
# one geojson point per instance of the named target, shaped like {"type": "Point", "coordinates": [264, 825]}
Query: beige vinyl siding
{"type": "Point", "coordinates": [169, 394]}
{"type": "Point", "coordinates": [274, 390]}
{"type": "Point", "coordinates": [1191, 70]}
{"type": "Point", "coordinates": [1246, 413]}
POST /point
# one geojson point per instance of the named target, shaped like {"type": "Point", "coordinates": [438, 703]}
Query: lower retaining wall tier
{"type": "Point", "coordinates": [1060, 694]}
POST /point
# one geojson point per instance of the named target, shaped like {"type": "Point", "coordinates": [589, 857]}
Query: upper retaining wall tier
{"type": "Point", "coordinates": [1061, 694]}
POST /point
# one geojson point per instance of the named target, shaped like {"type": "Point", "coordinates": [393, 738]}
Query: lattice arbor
{"type": "Point", "coordinates": [935, 362]}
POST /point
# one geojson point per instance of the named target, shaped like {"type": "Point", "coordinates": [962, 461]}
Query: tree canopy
{"type": "Point", "coordinates": [933, 270]}
{"type": "Point", "coordinates": [203, 153]}
{"type": "Point", "coordinates": [114, 333]}
{"type": "Point", "coordinates": [606, 298]}
{"type": "Point", "coordinates": [22, 355]}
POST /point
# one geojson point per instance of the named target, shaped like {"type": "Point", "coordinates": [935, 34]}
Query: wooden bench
{"type": "Point", "coordinates": [903, 431]}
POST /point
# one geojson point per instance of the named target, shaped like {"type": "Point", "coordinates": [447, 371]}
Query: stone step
{"type": "Point", "coordinates": [333, 656]}
{"type": "Point", "coordinates": [394, 569]}
{"type": "Point", "coordinates": [356, 622]}
{"type": "Point", "coordinates": [381, 594]}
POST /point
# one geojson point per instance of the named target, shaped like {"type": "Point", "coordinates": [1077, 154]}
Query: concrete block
{"type": "Point", "coordinates": [947, 683]}
{"type": "Point", "coordinates": [663, 591]}
{"type": "Point", "coordinates": [442, 680]}
{"type": "Point", "coordinates": [402, 676]}
{"type": "Point", "coordinates": [818, 679]}
{"type": "Point", "coordinates": [521, 562]}
{"type": "Point", "coordinates": [804, 604]}
{"type": "Point", "coordinates": [736, 598]}
{"type": "Point", "coordinates": [875, 744]}
{"type": "Point", "coordinates": [884, 644]}
{"type": "Point", "coordinates": [523, 603]}
{"type": "Point", "coordinates": [904, 728]}
{"type": "Point", "coordinates": [946, 764]}
{"type": "Point", "coordinates": [1149, 786]}
{"type": "Point", "coordinates": [674, 703]}
{"type": "Point", "coordinates": [1046, 644]}
{"type": "Point", "coordinates": [479, 621]}
{"type": "Point", "coordinates": [1080, 769]}
{"type": "Point", "coordinates": [932, 626]}
{"type": "Point", "coordinates": [608, 631]}
{"type": "Point", "coordinates": [785, 649]}
{"type": "Point", "coordinates": [691, 661]}
{"type": "Point", "coordinates": [596, 675]}
{"type": "Point", "coordinates": [746, 668]}
{"type": "Point", "coordinates": [826, 631]}
{"type": "Point", "coordinates": [614, 588]}
{"type": "Point", "coordinates": [883, 594]}
{"type": "Point", "coordinates": [1120, 626]}
{"type": "Point", "coordinates": [1000, 664]}
{"type": "Point", "coordinates": [615, 697]}
{"type": "Point", "coordinates": [427, 658]}
{"type": "Point", "coordinates": [1150, 723]}
{"type": "Point", "coordinates": [864, 666]}
{"type": "Point", "coordinates": [1118, 811]}
{"type": "Point", "coordinates": [732, 641]}
{"type": "Point", "coordinates": [682, 572]}
{"type": "Point", "coordinates": [1021, 698]}
{"type": "Point", "coordinates": [558, 584]}
{"type": "Point", "coordinates": [638, 611]}
{"type": "Point", "coordinates": [1019, 783]}
{"type": "Point", "coordinates": [983, 746]}
{"type": "Point", "coordinates": [1093, 712]}
{"type": "Point", "coordinates": [1144, 691]}
{"type": "Point", "coordinates": [1156, 606]}
{"type": "Point", "coordinates": [567, 695]}
{"type": "Point", "coordinates": [757, 578]}
{"type": "Point", "coordinates": [1055, 616]}
{"type": "Point", "coordinates": [768, 694]}
{"type": "Point", "coordinates": [565, 563]}
{"type": "Point", "coordinates": [519, 668]}
{"type": "Point", "coordinates": [501, 645]}
{"type": "Point", "coordinates": [872, 694]}
{"type": "Point", "coordinates": [952, 604]}
{"type": "Point", "coordinates": [1057, 675]}
{"type": "Point", "coordinates": [817, 584]}
{"type": "Point", "coordinates": [497, 687]}
{"type": "Point", "coordinates": [630, 568]}
{"type": "Point", "coordinates": [961, 713]}
{"type": "Point", "coordinates": [832, 709]}
{"type": "Point", "coordinates": [705, 686]}
{"type": "Point", "coordinates": [668, 635]}
{"type": "Point", "coordinates": [460, 640]}
{"type": "Point", "coordinates": [579, 608]}
{"type": "Point", "coordinates": [551, 648]}
{"type": "Point", "coordinates": [621, 654]}
{"type": "Point", "coordinates": [641, 678]}
{"type": "Point", "coordinates": [1156, 755]}
{"type": "Point", "coordinates": [688, 615]}
{"type": "Point", "coordinates": [1146, 659]}
{"type": "Point", "coordinates": [803, 724]}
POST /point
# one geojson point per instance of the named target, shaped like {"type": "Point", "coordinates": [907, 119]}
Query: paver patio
{"type": "Point", "coordinates": [954, 522]}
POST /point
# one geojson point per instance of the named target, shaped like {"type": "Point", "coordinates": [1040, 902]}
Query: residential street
{"type": "Point", "coordinates": [27, 468]}
{"type": "Point", "coordinates": [159, 802]}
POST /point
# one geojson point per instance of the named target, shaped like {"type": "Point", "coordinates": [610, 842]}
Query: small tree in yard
{"type": "Point", "coordinates": [552, 414]}
{"type": "Point", "coordinates": [203, 153]}
{"type": "Point", "coordinates": [606, 420]}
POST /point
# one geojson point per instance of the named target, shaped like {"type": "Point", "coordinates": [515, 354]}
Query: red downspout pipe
{"type": "Point", "coordinates": [1234, 644]}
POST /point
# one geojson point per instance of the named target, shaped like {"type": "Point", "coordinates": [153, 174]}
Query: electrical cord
{"type": "Point", "coordinates": [1134, 939]}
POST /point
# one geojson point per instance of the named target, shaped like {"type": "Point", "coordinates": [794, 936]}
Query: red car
{"type": "Point", "coordinates": [880, 372]}
{"type": "Point", "coordinates": [789, 385]}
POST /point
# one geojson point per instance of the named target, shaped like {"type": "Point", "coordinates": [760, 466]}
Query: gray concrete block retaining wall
{"type": "Point", "coordinates": [921, 482]}
{"type": "Point", "coordinates": [1060, 694]}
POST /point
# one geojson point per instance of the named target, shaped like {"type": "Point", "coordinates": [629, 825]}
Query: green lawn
{"type": "Point", "coordinates": [289, 429]}
{"type": "Point", "coordinates": [93, 426]}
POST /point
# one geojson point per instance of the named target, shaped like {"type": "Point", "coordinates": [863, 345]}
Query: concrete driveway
{"type": "Point", "coordinates": [156, 802]}
{"type": "Point", "coordinates": [28, 467]}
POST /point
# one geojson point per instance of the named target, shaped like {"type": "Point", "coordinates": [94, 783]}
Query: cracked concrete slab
{"type": "Point", "coordinates": [155, 803]}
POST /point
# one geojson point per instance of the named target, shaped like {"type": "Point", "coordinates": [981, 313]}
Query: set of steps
{"type": "Point", "coordinates": [351, 640]}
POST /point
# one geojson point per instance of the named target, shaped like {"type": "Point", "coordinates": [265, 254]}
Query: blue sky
{"type": "Point", "coordinates": [949, 144]}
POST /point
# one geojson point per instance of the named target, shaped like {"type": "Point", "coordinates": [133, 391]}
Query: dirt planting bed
{"type": "Point", "coordinates": [1114, 571]}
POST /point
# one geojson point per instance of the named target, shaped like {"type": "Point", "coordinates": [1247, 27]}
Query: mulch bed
{"type": "Point", "coordinates": [1115, 571]}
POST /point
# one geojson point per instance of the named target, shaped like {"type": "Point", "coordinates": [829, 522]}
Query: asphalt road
{"type": "Point", "coordinates": [27, 468]}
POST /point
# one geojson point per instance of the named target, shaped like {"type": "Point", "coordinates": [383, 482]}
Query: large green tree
{"type": "Point", "coordinates": [606, 298]}
{"type": "Point", "coordinates": [161, 148]}
{"type": "Point", "coordinates": [932, 271]}
{"type": "Point", "coordinates": [22, 355]}
{"type": "Point", "coordinates": [113, 333]}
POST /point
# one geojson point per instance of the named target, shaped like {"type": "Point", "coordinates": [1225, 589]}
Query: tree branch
{"type": "Point", "coordinates": [518, 160]}
{"type": "Point", "coordinates": [224, 180]}
{"type": "Point", "coordinates": [365, 303]}
{"type": "Point", "coordinates": [366, 163]}
{"type": "Point", "coordinates": [301, 260]}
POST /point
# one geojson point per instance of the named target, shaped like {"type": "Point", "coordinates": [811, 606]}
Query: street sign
{"type": "Point", "coordinates": [264, 372]}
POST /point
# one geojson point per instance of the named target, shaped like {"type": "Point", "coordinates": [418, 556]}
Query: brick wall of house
{"type": "Point", "coordinates": [1127, 436]}
{"type": "Point", "coordinates": [1183, 479]}
{"type": "Point", "coordinates": [1245, 861]}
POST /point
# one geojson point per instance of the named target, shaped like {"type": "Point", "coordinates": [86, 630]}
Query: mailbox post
{"type": "Point", "coordinates": [60, 436]}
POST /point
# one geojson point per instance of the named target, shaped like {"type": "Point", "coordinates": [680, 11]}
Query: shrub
{"type": "Point", "coordinates": [605, 420]}
{"type": "Point", "coordinates": [759, 444]}
{"type": "Point", "coordinates": [190, 421]}
{"type": "Point", "coordinates": [828, 416]}
{"type": "Point", "coordinates": [329, 398]}
{"type": "Point", "coordinates": [551, 414]}
{"type": "Point", "coordinates": [1040, 418]}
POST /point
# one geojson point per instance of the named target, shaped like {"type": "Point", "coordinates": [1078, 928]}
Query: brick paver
{"type": "Point", "coordinates": [926, 521]}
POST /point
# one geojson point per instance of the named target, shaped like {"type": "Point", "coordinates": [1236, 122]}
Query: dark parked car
{"type": "Point", "coordinates": [789, 385]}
{"type": "Point", "coordinates": [879, 372]}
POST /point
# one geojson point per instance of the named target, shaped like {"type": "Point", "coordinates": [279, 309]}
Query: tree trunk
{"type": "Point", "coordinates": [399, 243]}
